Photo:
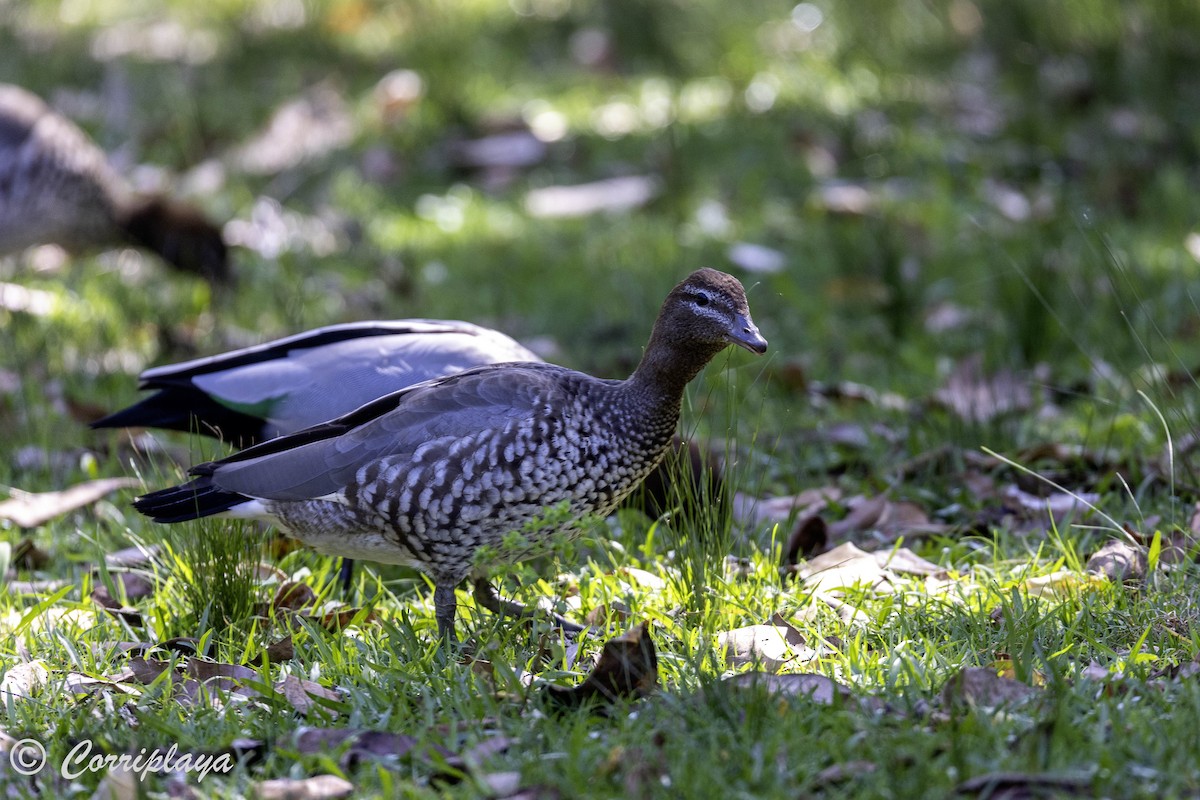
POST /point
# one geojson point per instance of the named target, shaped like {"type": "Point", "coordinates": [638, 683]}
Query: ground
{"type": "Point", "coordinates": [968, 231]}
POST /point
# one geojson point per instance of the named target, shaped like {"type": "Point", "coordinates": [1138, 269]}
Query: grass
{"type": "Point", "coordinates": [1027, 170]}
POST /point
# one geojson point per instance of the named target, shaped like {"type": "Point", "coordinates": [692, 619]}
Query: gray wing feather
{"type": "Point", "coordinates": [311, 385]}
{"type": "Point", "coordinates": [487, 398]}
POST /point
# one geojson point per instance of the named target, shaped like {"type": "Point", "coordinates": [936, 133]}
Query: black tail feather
{"type": "Point", "coordinates": [191, 500]}
{"type": "Point", "coordinates": [187, 409]}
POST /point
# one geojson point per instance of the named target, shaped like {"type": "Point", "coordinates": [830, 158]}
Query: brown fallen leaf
{"type": "Point", "coordinates": [133, 586]}
{"type": "Point", "coordinates": [339, 618]}
{"type": "Point", "coordinates": [31, 509]}
{"type": "Point", "coordinates": [845, 771]}
{"type": "Point", "coordinates": [819, 689]}
{"type": "Point", "coordinates": [975, 397]}
{"type": "Point", "coordinates": [133, 557]}
{"type": "Point", "coordinates": [282, 650]}
{"type": "Point", "coordinates": [842, 567]}
{"type": "Point", "coordinates": [365, 744]}
{"type": "Point", "coordinates": [1119, 560]}
{"type": "Point", "coordinates": [627, 667]}
{"type": "Point", "coordinates": [21, 681]}
{"type": "Point", "coordinates": [581, 200]}
{"type": "Point", "coordinates": [293, 595]}
{"type": "Point", "coordinates": [772, 646]}
{"type": "Point", "coordinates": [318, 787]}
{"type": "Point", "coordinates": [301, 694]}
{"type": "Point", "coordinates": [982, 687]}
{"type": "Point", "coordinates": [27, 555]}
{"type": "Point", "coordinates": [809, 537]}
{"type": "Point", "coordinates": [1026, 786]}
{"type": "Point", "coordinates": [1062, 506]}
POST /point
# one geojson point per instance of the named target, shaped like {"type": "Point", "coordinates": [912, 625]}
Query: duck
{"type": "Point", "coordinates": [252, 394]}
{"type": "Point", "coordinates": [463, 473]}
{"type": "Point", "coordinates": [58, 187]}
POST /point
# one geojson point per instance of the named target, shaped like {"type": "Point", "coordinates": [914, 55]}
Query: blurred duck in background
{"type": "Point", "coordinates": [57, 187]}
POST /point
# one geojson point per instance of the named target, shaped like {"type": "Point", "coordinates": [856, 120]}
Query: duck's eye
{"type": "Point", "coordinates": [700, 299]}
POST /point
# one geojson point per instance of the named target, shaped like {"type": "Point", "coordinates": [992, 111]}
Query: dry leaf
{"type": "Point", "coordinates": [1118, 560]}
{"type": "Point", "coordinates": [979, 686]}
{"type": "Point", "coordinates": [318, 787]}
{"type": "Point", "coordinates": [846, 771]}
{"type": "Point", "coordinates": [976, 397]}
{"type": "Point", "coordinates": [27, 555]}
{"type": "Point", "coordinates": [817, 688]}
{"type": "Point", "coordinates": [1061, 505]}
{"type": "Point", "coordinates": [132, 557]}
{"type": "Point", "coordinates": [22, 680]}
{"type": "Point", "coordinates": [300, 693]}
{"type": "Point", "coordinates": [906, 562]}
{"type": "Point", "coordinates": [30, 509]}
{"type": "Point", "coordinates": [1062, 581]}
{"type": "Point", "coordinates": [751, 510]}
{"type": "Point", "coordinates": [302, 129]}
{"type": "Point", "coordinates": [613, 194]}
{"type": "Point", "coordinates": [841, 567]}
{"type": "Point", "coordinates": [756, 258]}
{"type": "Point", "coordinates": [340, 618]}
{"type": "Point", "coordinates": [293, 595]}
{"type": "Point", "coordinates": [771, 646]}
{"type": "Point", "coordinates": [627, 667]}
{"type": "Point", "coordinates": [810, 536]}
{"type": "Point", "coordinates": [1024, 786]}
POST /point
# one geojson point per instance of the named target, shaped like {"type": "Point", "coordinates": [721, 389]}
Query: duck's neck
{"type": "Point", "coordinates": [667, 366]}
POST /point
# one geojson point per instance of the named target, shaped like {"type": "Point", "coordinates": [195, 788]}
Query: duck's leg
{"type": "Point", "coordinates": [443, 611]}
{"type": "Point", "coordinates": [487, 597]}
{"type": "Point", "coordinates": [346, 575]}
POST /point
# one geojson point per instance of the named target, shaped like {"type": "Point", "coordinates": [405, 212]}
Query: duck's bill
{"type": "Point", "coordinates": [744, 333]}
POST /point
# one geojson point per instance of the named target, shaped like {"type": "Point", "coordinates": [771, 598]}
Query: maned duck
{"type": "Point", "coordinates": [253, 394]}
{"type": "Point", "coordinates": [428, 475]}
{"type": "Point", "coordinates": [57, 187]}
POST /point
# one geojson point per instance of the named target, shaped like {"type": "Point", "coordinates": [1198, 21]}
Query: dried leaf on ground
{"type": "Point", "coordinates": [293, 595]}
{"type": "Point", "coordinates": [808, 537]}
{"type": "Point", "coordinates": [30, 509]}
{"type": "Point", "coordinates": [1062, 506]}
{"type": "Point", "coordinates": [363, 744]}
{"type": "Point", "coordinates": [302, 129]}
{"type": "Point", "coordinates": [1026, 786]}
{"type": "Point", "coordinates": [751, 510]}
{"type": "Point", "coordinates": [27, 555]}
{"type": "Point", "coordinates": [982, 687]}
{"type": "Point", "coordinates": [975, 397]}
{"type": "Point", "coordinates": [133, 557]}
{"type": "Point", "coordinates": [22, 680]}
{"type": "Point", "coordinates": [842, 567]}
{"type": "Point", "coordinates": [846, 771]}
{"type": "Point", "coordinates": [282, 650]}
{"type": "Point", "coordinates": [341, 617]}
{"type": "Point", "coordinates": [1118, 560]}
{"type": "Point", "coordinates": [627, 668]}
{"type": "Point", "coordinates": [303, 695]}
{"type": "Point", "coordinates": [581, 200]}
{"type": "Point", "coordinates": [318, 787]}
{"type": "Point", "coordinates": [817, 688]}
{"type": "Point", "coordinates": [1062, 581]}
{"type": "Point", "coordinates": [771, 646]}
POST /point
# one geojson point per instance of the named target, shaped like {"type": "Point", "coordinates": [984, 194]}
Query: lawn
{"type": "Point", "coordinates": [966, 510]}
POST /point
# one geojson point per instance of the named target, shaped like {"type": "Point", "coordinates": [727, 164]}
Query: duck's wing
{"type": "Point", "coordinates": [323, 460]}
